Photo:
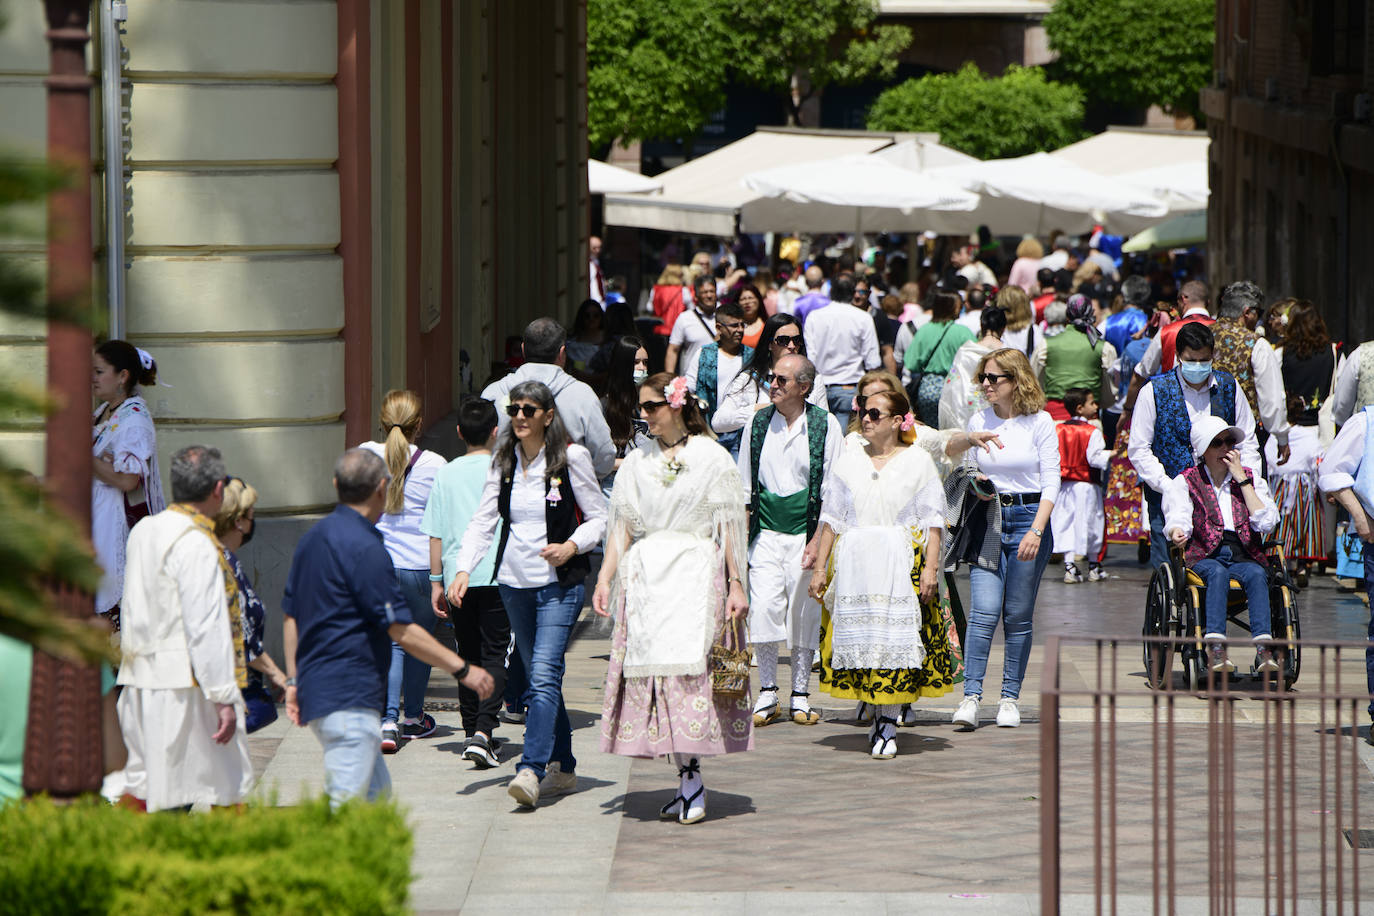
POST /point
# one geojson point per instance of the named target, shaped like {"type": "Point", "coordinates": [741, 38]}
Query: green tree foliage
{"type": "Point", "coordinates": [827, 42]}
{"type": "Point", "coordinates": [654, 69]}
{"type": "Point", "coordinates": [89, 857]}
{"type": "Point", "coordinates": [1136, 52]}
{"type": "Point", "coordinates": [995, 117]}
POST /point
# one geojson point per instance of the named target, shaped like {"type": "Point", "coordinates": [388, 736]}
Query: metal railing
{"type": "Point", "coordinates": [1217, 799]}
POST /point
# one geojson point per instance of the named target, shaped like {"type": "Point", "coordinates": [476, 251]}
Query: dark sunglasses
{"type": "Point", "coordinates": [861, 294]}
{"type": "Point", "coordinates": [781, 380]}
{"type": "Point", "coordinates": [992, 378]}
{"type": "Point", "coordinates": [783, 340]}
{"type": "Point", "coordinates": [651, 406]}
{"type": "Point", "coordinates": [1224, 442]}
{"type": "Point", "coordinates": [529, 410]}
{"type": "Point", "coordinates": [873, 414]}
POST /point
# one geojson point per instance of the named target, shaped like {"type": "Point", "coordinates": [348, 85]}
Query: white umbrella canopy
{"type": "Point", "coordinates": [1175, 232]}
{"type": "Point", "coordinates": [853, 193]}
{"type": "Point", "coordinates": [1182, 185]}
{"type": "Point", "coordinates": [1039, 192]}
{"type": "Point", "coordinates": [607, 179]}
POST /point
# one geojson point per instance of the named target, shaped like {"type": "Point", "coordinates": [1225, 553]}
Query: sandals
{"type": "Point", "coordinates": [883, 737]}
{"type": "Point", "coordinates": [686, 809]}
{"type": "Point", "coordinates": [807, 716]}
{"type": "Point", "coordinates": [863, 713]}
{"type": "Point", "coordinates": [766, 715]}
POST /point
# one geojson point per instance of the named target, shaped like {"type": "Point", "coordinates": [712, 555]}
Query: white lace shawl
{"type": "Point", "coordinates": [907, 491]}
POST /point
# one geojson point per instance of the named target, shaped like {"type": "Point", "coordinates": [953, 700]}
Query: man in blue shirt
{"type": "Point", "coordinates": [343, 609]}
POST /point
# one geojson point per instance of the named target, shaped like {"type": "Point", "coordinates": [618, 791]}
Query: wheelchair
{"type": "Point", "coordinates": [1174, 607]}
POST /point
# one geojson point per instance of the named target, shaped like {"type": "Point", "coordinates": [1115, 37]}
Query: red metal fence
{"type": "Point", "coordinates": [1238, 794]}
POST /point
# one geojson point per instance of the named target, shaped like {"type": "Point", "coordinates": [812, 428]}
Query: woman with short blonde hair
{"type": "Point", "coordinates": [234, 527]}
{"type": "Point", "coordinates": [1020, 334]}
{"type": "Point", "coordinates": [1023, 476]}
{"type": "Point", "coordinates": [1028, 256]}
{"type": "Point", "coordinates": [412, 471]}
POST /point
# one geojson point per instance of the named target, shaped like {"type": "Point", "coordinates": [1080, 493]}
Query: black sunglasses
{"type": "Point", "coordinates": [1224, 442]}
{"type": "Point", "coordinates": [783, 340]}
{"type": "Point", "coordinates": [873, 414]}
{"type": "Point", "coordinates": [651, 406]}
{"type": "Point", "coordinates": [991, 378]}
{"type": "Point", "coordinates": [529, 410]}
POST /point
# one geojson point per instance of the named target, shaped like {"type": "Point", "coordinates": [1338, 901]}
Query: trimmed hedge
{"type": "Point", "coordinates": [89, 857]}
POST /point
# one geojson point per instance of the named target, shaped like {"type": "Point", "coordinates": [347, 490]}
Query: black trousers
{"type": "Point", "coordinates": [483, 636]}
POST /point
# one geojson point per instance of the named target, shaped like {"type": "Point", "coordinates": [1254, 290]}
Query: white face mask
{"type": "Point", "coordinates": [640, 375]}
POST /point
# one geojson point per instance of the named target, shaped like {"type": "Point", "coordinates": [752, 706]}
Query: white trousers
{"type": "Point", "coordinates": [1077, 520]}
{"type": "Point", "coordinates": [779, 608]}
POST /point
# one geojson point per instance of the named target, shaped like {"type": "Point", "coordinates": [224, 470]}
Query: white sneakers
{"type": "Point", "coordinates": [1008, 714]}
{"type": "Point", "coordinates": [967, 713]}
{"type": "Point", "coordinates": [556, 782]}
{"type": "Point", "coordinates": [524, 788]}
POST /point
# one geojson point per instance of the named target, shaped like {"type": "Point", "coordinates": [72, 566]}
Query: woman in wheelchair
{"type": "Point", "coordinates": [1219, 512]}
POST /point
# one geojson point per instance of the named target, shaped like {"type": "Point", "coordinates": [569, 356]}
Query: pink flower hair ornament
{"type": "Point", "coordinates": [676, 392]}
{"type": "Point", "coordinates": [854, 404]}
{"type": "Point", "coordinates": [908, 421]}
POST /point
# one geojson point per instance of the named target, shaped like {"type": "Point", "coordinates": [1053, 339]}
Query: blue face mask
{"type": "Point", "coordinates": [1195, 372]}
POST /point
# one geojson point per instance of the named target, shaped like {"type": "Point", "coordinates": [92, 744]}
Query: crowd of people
{"type": "Point", "coordinates": [762, 460]}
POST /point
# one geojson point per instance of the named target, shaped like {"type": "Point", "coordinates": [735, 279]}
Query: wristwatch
{"type": "Point", "coordinates": [1249, 481]}
{"type": "Point", "coordinates": [1038, 532]}
{"type": "Point", "coordinates": [291, 682]}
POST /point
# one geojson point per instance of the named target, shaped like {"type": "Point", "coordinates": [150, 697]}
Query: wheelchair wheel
{"type": "Point", "coordinates": [1287, 631]}
{"type": "Point", "coordinates": [1159, 621]}
{"type": "Point", "coordinates": [1194, 655]}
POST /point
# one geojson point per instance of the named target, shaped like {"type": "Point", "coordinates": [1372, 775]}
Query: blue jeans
{"type": "Point", "coordinates": [840, 399]}
{"type": "Point", "coordinates": [1159, 545]}
{"type": "Point", "coordinates": [1007, 595]}
{"type": "Point", "coordinates": [542, 620]}
{"type": "Point", "coordinates": [1217, 571]}
{"type": "Point", "coordinates": [408, 676]}
{"type": "Point", "coordinates": [1369, 652]}
{"type": "Point", "coordinates": [352, 741]}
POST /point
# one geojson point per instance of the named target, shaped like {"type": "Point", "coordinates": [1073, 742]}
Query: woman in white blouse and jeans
{"type": "Point", "coordinates": [537, 485]}
{"type": "Point", "coordinates": [1025, 475]}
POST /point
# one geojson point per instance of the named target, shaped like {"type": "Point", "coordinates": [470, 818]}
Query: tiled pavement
{"type": "Point", "coordinates": [808, 822]}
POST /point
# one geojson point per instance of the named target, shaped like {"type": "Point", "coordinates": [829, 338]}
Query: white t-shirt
{"type": "Point", "coordinates": [692, 331]}
{"type": "Point", "coordinates": [1028, 461]}
{"type": "Point", "coordinates": [727, 367]}
{"type": "Point", "coordinates": [407, 544]}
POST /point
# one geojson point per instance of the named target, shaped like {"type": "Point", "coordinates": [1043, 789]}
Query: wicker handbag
{"type": "Point", "coordinates": [729, 663]}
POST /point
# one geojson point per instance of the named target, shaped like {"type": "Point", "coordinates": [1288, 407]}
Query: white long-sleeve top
{"type": "Point", "coordinates": [744, 396]}
{"type": "Point", "coordinates": [174, 621]}
{"type": "Point", "coordinates": [1028, 461]}
{"type": "Point", "coordinates": [1199, 404]}
{"type": "Point", "coordinates": [1348, 385]}
{"type": "Point", "coordinates": [1342, 460]}
{"type": "Point", "coordinates": [785, 460]}
{"type": "Point", "coordinates": [1178, 505]}
{"type": "Point", "coordinates": [842, 341]}
{"type": "Point", "coordinates": [1270, 399]}
{"type": "Point", "coordinates": [727, 367]}
{"type": "Point", "coordinates": [521, 565]}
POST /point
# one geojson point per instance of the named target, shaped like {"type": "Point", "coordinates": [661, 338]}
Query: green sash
{"type": "Point", "coordinates": [783, 514]}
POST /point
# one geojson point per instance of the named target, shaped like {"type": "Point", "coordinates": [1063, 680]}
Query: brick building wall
{"type": "Point", "coordinates": [1292, 154]}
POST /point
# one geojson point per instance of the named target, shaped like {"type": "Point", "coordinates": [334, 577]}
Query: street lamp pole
{"type": "Point", "coordinates": [62, 748]}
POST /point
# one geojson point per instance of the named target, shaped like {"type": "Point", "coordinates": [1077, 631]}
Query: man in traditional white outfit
{"type": "Point", "coordinates": [796, 444]}
{"type": "Point", "coordinates": [181, 711]}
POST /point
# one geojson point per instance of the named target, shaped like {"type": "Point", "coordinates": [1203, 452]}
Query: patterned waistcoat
{"type": "Point", "coordinates": [1234, 348]}
{"type": "Point", "coordinates": [1207, 522]}
{"type": "Point", "coordinates": [1364, 387]}
{"type": "Point", "coordinates": [815, 472]}
{"type": "Point", "coordinates": [1173, 442]}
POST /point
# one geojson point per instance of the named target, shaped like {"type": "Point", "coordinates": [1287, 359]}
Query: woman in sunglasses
{"type": "Point", "coordinates": [672, 578]}
{"type": "Point", "coordinates": [543, 491]}
{"type": "Point", "coordinates": [782, 334]}
{"type": "Point", "coordinates": [884, 634]}
{"type": "Point", "coordinates": [1023, 476]}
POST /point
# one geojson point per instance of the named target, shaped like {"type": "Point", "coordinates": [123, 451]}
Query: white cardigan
{"type": "Point", "coordinates": [174, 623]}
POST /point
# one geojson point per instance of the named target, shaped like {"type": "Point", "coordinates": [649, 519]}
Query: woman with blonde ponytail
{"type": "Point", "coordinates": [412, 472]}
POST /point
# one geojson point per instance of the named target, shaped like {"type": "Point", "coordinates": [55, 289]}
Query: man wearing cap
{"type": "Point", "coordinates": [1160, 447]}
{"type": "Point", "coordinates": [1219, 511]}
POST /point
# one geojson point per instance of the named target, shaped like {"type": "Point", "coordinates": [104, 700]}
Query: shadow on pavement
{"type": "Point", "coordinates": [644, 806]}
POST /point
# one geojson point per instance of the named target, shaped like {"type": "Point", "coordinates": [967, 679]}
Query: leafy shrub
{"type": "Point", "coordinates": [993, 117]}
{"type": "Point", "coordinates": [91, 858]}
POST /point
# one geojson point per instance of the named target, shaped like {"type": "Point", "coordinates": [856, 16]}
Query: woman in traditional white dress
{"type": "Point", "coordinates": [673, 578]}
{"type": "Point", "coordinates": [878, 573]}
{"type": "Point", "coordinates": [126, 485]}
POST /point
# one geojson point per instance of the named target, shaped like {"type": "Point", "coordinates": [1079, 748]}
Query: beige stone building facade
{"type": "Point", "coordinates": [328, 200]}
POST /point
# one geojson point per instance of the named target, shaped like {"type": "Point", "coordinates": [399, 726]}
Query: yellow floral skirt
{"type": "Point", "coordinates": [944, 665]}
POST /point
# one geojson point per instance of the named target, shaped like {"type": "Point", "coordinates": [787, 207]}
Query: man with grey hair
{"type": "Point", "coordinates": [788, 449]}
{"type": "Point", "coordinates": [344, 609]}
{"type": "Point", "coordinates": [578, 406]}
{"type": "Point", "coordinates": [1255, 365]}
{"type": "Point", "coordinates": [183, 666]}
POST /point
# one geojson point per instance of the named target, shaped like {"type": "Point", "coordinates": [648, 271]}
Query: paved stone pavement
{"type": "Point", "coordinates": [808, 822]}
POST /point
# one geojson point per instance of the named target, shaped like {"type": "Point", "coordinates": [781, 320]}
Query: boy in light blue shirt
{"type": "Point", "coordinates": [480, 626]}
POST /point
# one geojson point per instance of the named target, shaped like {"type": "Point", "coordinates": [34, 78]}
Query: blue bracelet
{"type": "Point", "coordinates": [436, 577]}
